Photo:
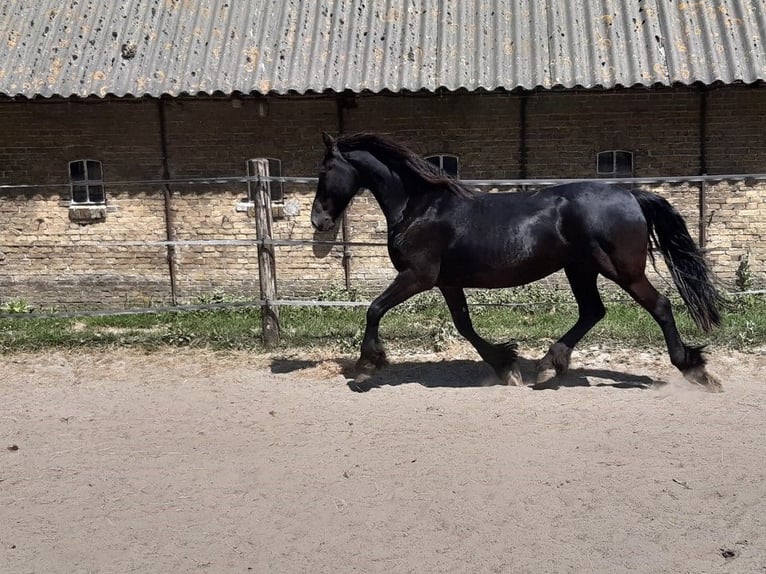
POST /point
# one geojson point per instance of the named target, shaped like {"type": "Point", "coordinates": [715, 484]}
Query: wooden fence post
{"type": "Point", "coordinates": [266, 262]}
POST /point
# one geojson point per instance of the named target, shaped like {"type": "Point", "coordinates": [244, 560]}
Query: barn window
{"type": "Point", "coordinates": [447, 163]}
{"type": "Point", "coordinates": [86, 180]}
{"type": "Point", "coordinates": [274, 169]}
{"type": "Point", "coordinates": [614, 163]}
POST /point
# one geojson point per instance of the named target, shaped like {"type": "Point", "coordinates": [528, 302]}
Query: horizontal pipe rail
{"type": "Point", "coordinates": [200, 243]}
{"type": "Point", "coordinates": [746, 177]}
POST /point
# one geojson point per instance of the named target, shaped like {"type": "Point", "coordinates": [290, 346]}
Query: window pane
{"type": "Point", "coordinates": [277, 188]}
{"type": "Point", "coordinates": [277, 191]}
{"type": "Point", "coordinates": [446, 163]}
{"type": "Point", "coordinates": [275, 168]}
{"type": "Point", "coordinates": [79, 194]}
{"type": "Point", "coordinates": [77, 171]}
{"type": "Point", "coordinates": [623, 163]}
{"type": "Point", "coordinates": [449, 165]}
{"type": "Point", "coordinates": [605, 162]}
{"type": "Point", "coordinates": [435, 160]}
{"type": "Point", "coordinates": [250, 167]}
{"type": "Point", "coordinates": [96, 193]}
{"type": "Point", "coordinates": [94, 170]}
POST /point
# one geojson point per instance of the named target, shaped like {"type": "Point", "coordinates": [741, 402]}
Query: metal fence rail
{"type": "Point", "coordinates": [533, 182]}
{"type": "Point", "coordinates": [266, 242]}
{"type": "Point", "coordinates": [204, 242]}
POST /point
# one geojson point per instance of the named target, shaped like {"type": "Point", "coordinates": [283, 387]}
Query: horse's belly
{"type": "Point", "coordinates": [495, 272]}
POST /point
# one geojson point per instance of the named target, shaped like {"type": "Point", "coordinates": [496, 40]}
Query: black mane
{"type": "Point", "coordinates": [422, 173]}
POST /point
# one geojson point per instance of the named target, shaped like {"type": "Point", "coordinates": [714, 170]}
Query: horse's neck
{"type": "Point", "coordinates": [384, 184]}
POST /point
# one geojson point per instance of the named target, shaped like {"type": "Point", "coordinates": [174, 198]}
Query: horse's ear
{"type": "Point", "coordinates": [329, 141]}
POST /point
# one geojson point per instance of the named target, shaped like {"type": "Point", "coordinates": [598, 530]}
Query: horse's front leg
{"type": "Point", "coordinates": [373, 355]}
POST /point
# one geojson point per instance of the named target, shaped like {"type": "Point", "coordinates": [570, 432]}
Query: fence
{"type": "Point", "coordinates": [265, 243]}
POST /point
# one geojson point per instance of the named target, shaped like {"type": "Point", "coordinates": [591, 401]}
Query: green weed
{"type": "Point", "coordinates": [16, 306]}
{"type": "Point", "coordinates": [533, 316]}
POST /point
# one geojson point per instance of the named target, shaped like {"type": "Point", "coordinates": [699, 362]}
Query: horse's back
{"type": "Point", "coordinates": [585, 207]}
{"type": "Point", "coordinates": [591, 196]}
{"type": "Point", "coordinates": [508, 239]}
{"type": "Point", "coordinates": [603, 212]}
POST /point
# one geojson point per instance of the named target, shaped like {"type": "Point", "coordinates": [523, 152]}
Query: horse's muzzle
{"type": "Point", "coordinates": [321, 220]}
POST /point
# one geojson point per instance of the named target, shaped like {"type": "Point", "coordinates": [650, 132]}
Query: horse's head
{"type": "Point", "coordinates": [338, 183]}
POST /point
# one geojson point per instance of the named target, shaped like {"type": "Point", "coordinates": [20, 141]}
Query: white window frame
{"type": "Point", "coordinates": [440, 165]}
{"type": "Point", "coordinates": [276, 189]}
{"type": "Point", "coordinates": [613, 172]}
{"type": "Point", "coordinates": [88, 183]}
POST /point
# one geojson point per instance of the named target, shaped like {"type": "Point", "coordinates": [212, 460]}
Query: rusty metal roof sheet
{"type": "Point", "coordinates": [156, 47]}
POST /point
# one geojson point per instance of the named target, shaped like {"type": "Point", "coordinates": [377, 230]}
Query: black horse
{"type": "Point", "coordinates": [446, 235]}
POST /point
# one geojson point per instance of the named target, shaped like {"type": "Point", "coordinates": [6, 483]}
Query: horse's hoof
{"type": "Point", "coordinates": [512, 376]}
{"type": "Point", "coordinates": [361, 384]}
{"type": "Point", "coordinates": [700, 376]}
{"type": "Point", "coordinates": [367, 366]}
{"type": "Point", "coordinates": [508, 349]}
{"type": "Point", "coordinates": [545, 376]}
{"type": "Point", "coordinates": [372, 358]}
{"type": "Point", "coordinates": [364, 368]}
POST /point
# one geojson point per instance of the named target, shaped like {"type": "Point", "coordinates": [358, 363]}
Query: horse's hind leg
{"type": "Point", "coordinates": [591, 311]}
{"type": "Point", "coordinates": [502, 357]}
{"type": "Point", "coordinates": [688, 360]}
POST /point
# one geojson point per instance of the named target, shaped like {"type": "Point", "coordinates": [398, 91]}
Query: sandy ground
{"type": "Point", "coordinates": [195, 461]}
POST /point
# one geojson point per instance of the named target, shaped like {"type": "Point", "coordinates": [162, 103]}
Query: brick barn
{"type": "Point", "coordinates": [129, 125]}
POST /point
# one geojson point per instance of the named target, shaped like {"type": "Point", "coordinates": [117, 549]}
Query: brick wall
{"type": "Point", "coordinates": [566, 131]}
{"type": "Point", "coordinates": [736, 215]}
{"type": "Point", "coordinates": [210, 138]}
{"type": "Point", "coordinates": [736, 122]}
{"type": "Point", "coordinates": [48, 259]}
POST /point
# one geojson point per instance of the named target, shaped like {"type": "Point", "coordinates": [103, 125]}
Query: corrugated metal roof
{"type": "Point", "coordinates": [155, 47]}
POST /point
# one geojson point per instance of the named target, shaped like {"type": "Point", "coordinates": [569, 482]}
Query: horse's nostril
{"type": "Point", "coordinates": [321, 220]}
{"type": "Point", "coordinates": [319, 223]}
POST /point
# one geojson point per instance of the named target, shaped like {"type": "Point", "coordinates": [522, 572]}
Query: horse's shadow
{"type": "Point", "coordinates": [461, 373]}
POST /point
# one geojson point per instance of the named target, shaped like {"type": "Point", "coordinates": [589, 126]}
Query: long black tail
{"type": "Point", "coordinates": [687, 266]}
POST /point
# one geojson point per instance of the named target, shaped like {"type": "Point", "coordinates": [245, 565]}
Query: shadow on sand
{"type": "Point", "coordinates": [461, 373]}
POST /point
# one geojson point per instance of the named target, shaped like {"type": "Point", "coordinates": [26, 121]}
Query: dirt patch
{"type": "Point", "coordinates": [179, 462]}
